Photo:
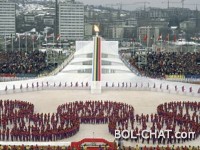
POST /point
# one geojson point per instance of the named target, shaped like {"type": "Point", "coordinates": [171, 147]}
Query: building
{"type": "Point", "coordinates": [88, 30]}
{"type": "Point", "coordinates": [148, 35]}
{"type": "Point", "coordinates": [131, 22]}
{"type": "Point", "coordinates": [7, 18]}
{"type": "Point", "coordinates": [49, 20]}
{"type": "Point", "coordinates": [71, 20]}
{"type": "Point", "coordinates": [117, 32]}
{"type": "Point", "coordinates": [185, 25]}
{"type": "Point", "coordinates": [29, 18]}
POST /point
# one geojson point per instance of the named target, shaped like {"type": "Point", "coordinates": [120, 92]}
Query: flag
{"type": "Point", "coordinates": [152, 38]}
{"type": "Point", "coordinates": [50, 35]}
{"type": "Point", "coordinates": [45, 38]}
{"type": "Point", "coordinates": [160, 37]}
{"type": "Point", "coordinates": [38, 37]}
{"type": "Point", "coordinates": [145, 38]}
{"type": "Point", "coordinates": [139, 38]}
{"type": "Point", "coordinates": [58, 37]}
{"type": "Point", "coordinates": [18, 36]}
{"type": "Point", "coordinates": [167, 37]}
{"type": "Point", "coordinates": [33, 38]}
{"type": "Point", "coordinates": [174, 37]}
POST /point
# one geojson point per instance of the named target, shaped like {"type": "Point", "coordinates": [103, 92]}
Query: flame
{"type": "Point", "coordinates": [96, 28]}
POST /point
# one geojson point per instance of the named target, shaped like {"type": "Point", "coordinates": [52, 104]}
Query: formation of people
{"type": "Point", "coordinates": [19, 122]}
{"type": "Point", "coordinates": [178, 117]}
{"type": "Point", "coordinates": [169, 63]}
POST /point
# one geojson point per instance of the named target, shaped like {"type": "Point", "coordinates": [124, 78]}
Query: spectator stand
{"type": "Point", "coordinates": [132, 68]}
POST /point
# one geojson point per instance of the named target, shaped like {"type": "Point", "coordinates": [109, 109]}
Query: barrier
{"type": "Point", "coordinates": [183, 78]}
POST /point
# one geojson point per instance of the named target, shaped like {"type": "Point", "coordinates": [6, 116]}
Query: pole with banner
{"type": "Point", "coordinates": [5, 42]}
{"type": "Point", "coordinates": [26, 41]}
{"type": "Point", "coordinates": [33, 38]}
{"type": "Point", "coordinates": [46, 38]}
{"type": "Point", "coordinates": [19, 42]}
{"type": "Point", "coordinates": [12, 41]}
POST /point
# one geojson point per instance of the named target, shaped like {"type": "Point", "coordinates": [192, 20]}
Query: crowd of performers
{"type": "Point", "coordinates": [19, 122]}
{"type": "Point", "coordinates": [175, 116]}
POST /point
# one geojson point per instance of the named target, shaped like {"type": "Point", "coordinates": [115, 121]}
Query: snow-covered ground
{"type": "Point", "coordinates": [143, 102]}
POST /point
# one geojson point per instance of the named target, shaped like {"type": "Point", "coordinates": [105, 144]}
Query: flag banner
{"type": "Point", "coordinates": [145, 38]}
{"type": "Point", "coordinates": [167, 37]}
{"type": "Point", "coordinates": [152, 38]}
{"type": "Point", "coordinates": [33, 38]}
{"type": "Point", "coordinates": [58, 37]}
{"type": "Point", "coordinates": [174, 38]}
{"type": "Point", "coordinates": [38, 37]}
{"type": "Point", "coordinates": [17, 37]}
{"type": "Point", "coordinates": [159, 37]}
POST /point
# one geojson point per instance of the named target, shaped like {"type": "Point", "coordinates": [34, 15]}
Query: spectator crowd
{"type": "Point", "coordinates": [20, 62]}
{"type": "Point", "coordinates": [169, 63]}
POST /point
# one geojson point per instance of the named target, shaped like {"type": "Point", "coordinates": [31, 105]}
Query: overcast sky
{"type": "Point", "coordinates": [152, 3]}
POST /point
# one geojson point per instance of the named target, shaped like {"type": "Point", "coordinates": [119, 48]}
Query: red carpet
{"type": "Point", "coordinates": [88, 141]}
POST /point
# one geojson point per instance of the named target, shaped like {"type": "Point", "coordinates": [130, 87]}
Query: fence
{"type": "Point", "coordinates": [183, 78]}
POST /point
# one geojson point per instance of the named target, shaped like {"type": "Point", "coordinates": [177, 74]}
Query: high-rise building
{"type": "Point", "coordinates": [71, 20]}
{"type": "Point", "coordinates": [7, 18]}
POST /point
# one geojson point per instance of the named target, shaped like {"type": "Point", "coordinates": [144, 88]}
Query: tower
{"type": "Point", "coordinates": [96, 63]}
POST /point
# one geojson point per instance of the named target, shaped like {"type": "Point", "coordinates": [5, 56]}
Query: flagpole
{"type": "Point", "coordinates": [168, 43]}
{"type": "Point", "coordinates": [46, 47]}
{"type": "Point", "coordinates": [147, 37]}
{"type": "Point", "coordinates": [60, 41]}
{"type": "Point", "coordinates": [5, 42]}
{"type": "Point", "coordinates": [26, 42]}
{"type": "Point", "coordinates": [12, 41]}
{"type": "Point", "coordinates": [161, 44]}
{"type": "Point", "coordinates": [39, 40]}
{"type": "Point", "coordinates": [19, 43]}
{"type": "Point", "coordinates": [53, 40]}
{"type": "Point", "coordinates": [53, 48]}
{"type": "Point", "coordinates": [33, 42]}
